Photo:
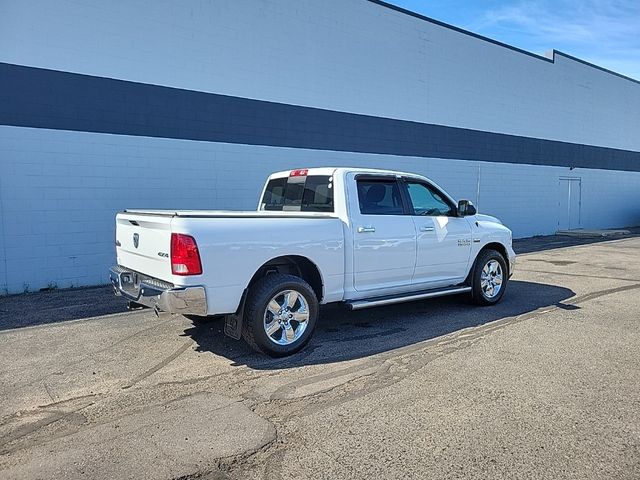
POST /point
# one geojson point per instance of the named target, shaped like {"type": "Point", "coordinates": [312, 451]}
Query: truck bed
{"type": "Point", "coordinates": [232, 247]}
{"type": "Point", "coordinates": [228, 214]}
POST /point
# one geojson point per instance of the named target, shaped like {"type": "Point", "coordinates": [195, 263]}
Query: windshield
{"type": "Point", "coordinates": [313, 193]}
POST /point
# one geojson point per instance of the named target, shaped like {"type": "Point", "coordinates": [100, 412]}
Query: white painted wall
{"type": "Point", "coordinates": [60, 190]}
{"type": "Point", "coordinates": [347, 55]}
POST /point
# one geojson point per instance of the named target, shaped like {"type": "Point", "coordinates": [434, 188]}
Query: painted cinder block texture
{"type": "Point", "coordinates": [35, 97]}
{"type": "Point", "coordinates": [345, 55]}
{"type": "Point", "coordinates": [60, 189]}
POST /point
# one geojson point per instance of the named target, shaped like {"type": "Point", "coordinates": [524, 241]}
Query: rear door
{"type": "Point", "coordinates": [143, 244]}
{"type": "Point", "coordinates": [443, 239]}
{"type": "Point", "coordinates": [384, 237]}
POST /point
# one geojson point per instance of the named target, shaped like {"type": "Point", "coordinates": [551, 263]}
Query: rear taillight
{"type": "Point", "coordinates": [185, 258]}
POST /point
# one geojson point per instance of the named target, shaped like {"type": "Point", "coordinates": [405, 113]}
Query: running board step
{"type": "Point", "coordinates": [405, 297]}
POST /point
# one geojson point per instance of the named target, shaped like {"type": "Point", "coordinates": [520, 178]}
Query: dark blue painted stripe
{"type": "Point", "coordinates": [34, 97]}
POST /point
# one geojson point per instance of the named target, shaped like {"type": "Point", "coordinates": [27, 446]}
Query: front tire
{"type": "Point", "coordinates": [489, 279]}
{"type": "Point", "coordinates": [280, 315]}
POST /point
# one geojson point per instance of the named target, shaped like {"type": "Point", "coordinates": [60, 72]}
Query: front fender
{"type": "Point", "coordinates": [487, 232]}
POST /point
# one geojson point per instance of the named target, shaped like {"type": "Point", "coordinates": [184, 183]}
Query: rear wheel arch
{"type": "Point", "coordinates": [296, 265]}
{"type": "Point", "coordinates": [280, 314]}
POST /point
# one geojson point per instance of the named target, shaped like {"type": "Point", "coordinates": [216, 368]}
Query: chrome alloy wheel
{"type": "Point", "coordinates": [286, 317]}
{"type": "Point", "coordinates": [491, 279]}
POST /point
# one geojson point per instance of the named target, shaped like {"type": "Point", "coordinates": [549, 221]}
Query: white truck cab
{"type": "Point", "coordinates": [360, 236]}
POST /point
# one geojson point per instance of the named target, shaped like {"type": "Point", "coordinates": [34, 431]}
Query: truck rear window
{"type": "Point", "coordinates": [313, 193]}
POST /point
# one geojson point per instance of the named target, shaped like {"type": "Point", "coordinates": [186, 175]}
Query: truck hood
{"type": "Point", "coordinates": [480, 217]}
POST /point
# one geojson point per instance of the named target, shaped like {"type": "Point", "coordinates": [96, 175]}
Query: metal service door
{"type": "Point", "coordinates": [569, 203]}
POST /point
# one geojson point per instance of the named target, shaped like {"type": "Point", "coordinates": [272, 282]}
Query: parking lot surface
{"type": "Point", "coordinates": [544, 385]}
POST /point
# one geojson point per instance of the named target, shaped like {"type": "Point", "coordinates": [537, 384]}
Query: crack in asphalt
{"type": "Point", "coordinates": [388, 368]}
{"type": "Point", "coordinates": [590, 296]}
{"type": "Point", "coordinates": [599, 277]}
{"type": "Point", "coordinates": [30, 428]}
{"type": "Point", "coordinates": [88, 355]}
{"type": "Point", "coordinates": [375, 373]}
{"type": "Point", "coordinates": [159, 365]}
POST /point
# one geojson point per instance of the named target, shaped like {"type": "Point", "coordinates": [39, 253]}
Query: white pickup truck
{"type": "Point", "coordinates": [320, 235]}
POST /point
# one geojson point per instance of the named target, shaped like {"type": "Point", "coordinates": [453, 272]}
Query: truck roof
{"type": "Point", "coordinates": [343, 171]}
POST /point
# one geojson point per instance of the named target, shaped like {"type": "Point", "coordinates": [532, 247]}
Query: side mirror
{"type": "Point", "coordinates": [466, 208]}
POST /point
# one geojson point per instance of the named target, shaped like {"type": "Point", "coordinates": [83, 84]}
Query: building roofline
{"type": "Point", "coordinates": [593, 65]}
{"type": "Point", "coordinates": [496, 42]}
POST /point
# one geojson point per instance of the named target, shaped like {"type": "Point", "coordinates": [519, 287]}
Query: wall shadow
{"type": "Point", "coordinates": [55, 306]}
{"type": "Point", "coordinates": [342, 334]}
{"type": "Point", "coordinates": [550, 242]}
{"type": "Point", "coordinates": [61, 305]}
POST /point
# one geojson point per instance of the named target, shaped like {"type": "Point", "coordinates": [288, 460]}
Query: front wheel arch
{"type": "Point", "coordinates": [498, 247]}
{"type": "Point", "coordinates": [485, 258]}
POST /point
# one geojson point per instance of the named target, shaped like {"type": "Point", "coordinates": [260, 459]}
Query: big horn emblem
{"type": "Point", "coordinates": [136, 240]}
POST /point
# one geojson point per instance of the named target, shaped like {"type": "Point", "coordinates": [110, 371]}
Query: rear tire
{"type": "Point", "coordinates": [489, 279]}
{"type": "Point", "coordinates": [280, 315]}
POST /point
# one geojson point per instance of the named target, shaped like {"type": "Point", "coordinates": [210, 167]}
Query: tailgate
{"type": "Point", "coordinates": [143, 244]}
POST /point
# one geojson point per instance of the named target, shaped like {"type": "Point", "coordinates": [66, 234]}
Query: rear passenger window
{"type": "Point", "coordinates": [379, 197]}
{"type": "Point", "coordinates": [313, 193]}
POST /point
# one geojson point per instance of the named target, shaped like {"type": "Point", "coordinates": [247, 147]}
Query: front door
{"type": "Point", "coordinates": [384, 237]}
{"type": "Point", "coordinates": [443, 239]}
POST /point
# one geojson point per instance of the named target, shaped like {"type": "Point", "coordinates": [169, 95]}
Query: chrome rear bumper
{"type": "Point", "coordinates": [158, 294]}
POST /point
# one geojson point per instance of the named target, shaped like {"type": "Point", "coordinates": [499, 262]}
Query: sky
{"type": "Point", "coordinates": [603, 32]}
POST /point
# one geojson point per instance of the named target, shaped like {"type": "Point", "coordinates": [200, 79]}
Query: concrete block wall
{"type": "Point", "coordinates": [60, 191]}
{"type": "Point", "coordinates": [346, 55]}
{"type": "Point", "coordinates": [60, 186]}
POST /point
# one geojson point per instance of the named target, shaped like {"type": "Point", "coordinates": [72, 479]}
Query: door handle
{"type": "Point", "coordinates": [366, 229]}
{"type": "Point", "coordinates": [427, 229]}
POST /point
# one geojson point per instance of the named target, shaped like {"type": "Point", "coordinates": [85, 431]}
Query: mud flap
{"type": "Point", "coordinates": [233, 326]}
{"type": "Point", "coordinates": [233, 322]}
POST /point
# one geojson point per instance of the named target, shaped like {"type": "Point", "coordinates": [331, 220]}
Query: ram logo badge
{"type": "Point", "coordinates": [136, 240]}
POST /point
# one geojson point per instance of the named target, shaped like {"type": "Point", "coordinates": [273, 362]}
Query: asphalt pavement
{"type": "Point", "coordinates": [544, 385]}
